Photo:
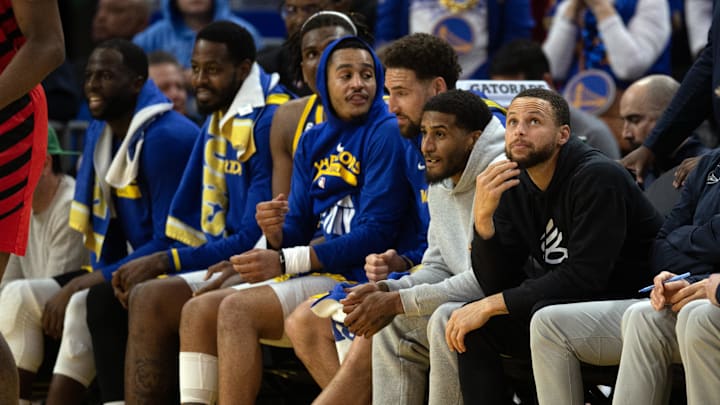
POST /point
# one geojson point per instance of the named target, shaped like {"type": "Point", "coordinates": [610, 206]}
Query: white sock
{"type": "Point", "coordinates": [198, 378]}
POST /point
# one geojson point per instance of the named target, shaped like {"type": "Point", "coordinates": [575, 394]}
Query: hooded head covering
{"type": "Point", "coordinates": [345, 137]}
{"type": "Point", "coordinates": [378, 105]}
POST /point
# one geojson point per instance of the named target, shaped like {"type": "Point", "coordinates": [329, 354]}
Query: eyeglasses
{"type": "Point", "coordinates": [287, 10]}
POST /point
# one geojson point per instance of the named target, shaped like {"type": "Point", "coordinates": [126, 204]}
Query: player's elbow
{"type": "Point", "coordinates": [55, 53]}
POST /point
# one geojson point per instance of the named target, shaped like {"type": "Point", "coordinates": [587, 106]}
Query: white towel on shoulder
{"type": "Point", "coordinates": [124, 167]}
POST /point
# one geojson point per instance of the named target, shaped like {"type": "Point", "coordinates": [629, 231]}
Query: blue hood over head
{"type": "Point", "coordinates": [378, 106]}
{"type": "Point", "coordinates": [349, 176]}
{"type": "Point", "coordinates": [339, 135]}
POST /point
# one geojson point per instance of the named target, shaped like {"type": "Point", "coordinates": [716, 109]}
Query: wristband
{"type": "Point", "coordinates": [297, 259]}
{"type": "Point", "coordinates": [282, 261]}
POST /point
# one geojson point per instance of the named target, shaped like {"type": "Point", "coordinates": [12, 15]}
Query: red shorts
{"type": "Point", "coordinates": [23, 148]}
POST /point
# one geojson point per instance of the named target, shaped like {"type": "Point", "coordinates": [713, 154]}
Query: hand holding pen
{"type": "Point", "coordinates": [670, 280]}
{"type": "Point", "coordinates": [674, 295]}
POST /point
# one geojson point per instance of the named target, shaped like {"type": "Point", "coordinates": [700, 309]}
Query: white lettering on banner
{"type": "Point", "coordinates": [500, 91]}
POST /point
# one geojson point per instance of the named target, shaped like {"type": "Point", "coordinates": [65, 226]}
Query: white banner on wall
{"type": "Point", "coordinates": [500, 91]}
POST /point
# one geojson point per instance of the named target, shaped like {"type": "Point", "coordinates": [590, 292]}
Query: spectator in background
{"type": "Point", "coordinates": [522, 59]}
{"type": "Point", "coordinates": [698, 17]}
{"type": "Point", "coordinates": [640, 107]}
{"type": "Point", "coordinates": [279, 58]}
{"type": "Point", "coordinates": [367, 8]}
{"type": "Point", "coordinates": [168, 76]}
{"type": "Point", "coordinates": [539, 10]}
{"type": "Point", "coordinates": [181, 20]}
{"type": "Point", "coordinates": [119, 19]}
{"type": "Point", "coordinates": [697, 99]}
{"type": "Point", "coordinates": [626, 39]}
{"type": "Point", "coordinates": [55, 254]}
{"type": "Point", "coordinates": [475, 29]}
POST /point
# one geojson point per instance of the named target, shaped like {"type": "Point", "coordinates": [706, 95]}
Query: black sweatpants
{"type": "Point", "coordinates": [482, 375]}
{"type": "Point", "coordinates": [108, 323]}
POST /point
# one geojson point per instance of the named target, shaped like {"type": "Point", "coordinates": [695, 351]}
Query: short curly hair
{"type": "Point", "coordinates": [237, 39]}
{"type": "Point", "coordinates": [134, 58]}
{"type": "Point", "coordinates": [560, 107]}
{"type": "Point", "coordinates": [470, 111]}
{"type": "Point", "coordinates": [426, 55]}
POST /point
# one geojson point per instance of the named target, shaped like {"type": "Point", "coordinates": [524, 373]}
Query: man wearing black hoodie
{"type": "Point", "coordinates": [577, 215]}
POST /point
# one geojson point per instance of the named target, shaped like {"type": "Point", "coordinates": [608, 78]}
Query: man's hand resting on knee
{"type": "Point", "coordinates": [136, 271]}
{"type": "Point", "coordinates": [370, 309]}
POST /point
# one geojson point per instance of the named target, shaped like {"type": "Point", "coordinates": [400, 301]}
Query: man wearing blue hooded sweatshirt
{"type": "Point", "coordinates": [348, 177]}
{"type": "Point", "coordinates": [181, 21]}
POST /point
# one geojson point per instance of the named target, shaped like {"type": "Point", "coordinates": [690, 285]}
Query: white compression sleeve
{"type": "Point", "coordinates": [198, 378]}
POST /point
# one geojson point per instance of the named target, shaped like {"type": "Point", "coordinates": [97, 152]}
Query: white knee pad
{"type": "Point", "coordinates": [21, 308]}
{"type": "Point", "coordinates": [198, 378]}
{"type": "Point", "coordinates": [75, 358]}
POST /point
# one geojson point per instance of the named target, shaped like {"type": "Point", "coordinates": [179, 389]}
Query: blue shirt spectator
{"type": "Point", "coordinates": [175, 32]}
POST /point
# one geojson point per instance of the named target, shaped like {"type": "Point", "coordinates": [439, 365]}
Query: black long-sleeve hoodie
{"type": "Point", "coordinates": [590, 232]}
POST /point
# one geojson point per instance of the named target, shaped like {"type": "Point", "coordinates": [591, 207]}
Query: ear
{"type": "Point", "coordinates": [138, 84]}
{"type": "Point", "coordinates": [473, 136]}
{"type": "Point", "coordinates": [438, 85]}
{"type": "Point", "coordinates": [564, 135]}
{"type": "Point", "coordinates": [243, 69]}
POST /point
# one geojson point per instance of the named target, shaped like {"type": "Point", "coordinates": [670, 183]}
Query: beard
{"type": "Point", "coordinates": [533, 158]}
{"type": "Point", "coordinates": [411, 130]}
{"type": "Point", "coordinates": [454, 164]}
{"type": "Point", "coordinates": [224, 99]}
{"type": "Point", "coordinates": [116, 108]}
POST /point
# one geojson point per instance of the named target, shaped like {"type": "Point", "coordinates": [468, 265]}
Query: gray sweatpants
{"type": "Point", "coordinates": [410, 351]}
{"type": "Point", "coordinates": [649, 349]}
{"type": "Point", "coordinates": [654, 340]}
{"type": "Point", "coordinates": [700, 352]}
{"type": "Point", "coordinates": [563, 336]}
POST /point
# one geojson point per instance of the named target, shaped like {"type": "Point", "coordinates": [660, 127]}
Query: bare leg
{"type": "Point", "coordinates": [313, 342]}
{"type": "Point", "coordinates": [243, 318]}
{"type": "Point", "coordinates": [151, 370]}
{"type": "Point", "coordinates": [198, 325]}
{"type": "Point", "coordinates": [352, 383]}
{"type": "Point", "coordinates": [8, 373]}
{"type": "Point", "coordinates": [64, 391]}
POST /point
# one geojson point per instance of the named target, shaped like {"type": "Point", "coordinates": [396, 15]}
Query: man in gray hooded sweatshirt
{"type": "Point", "coordinates": [460, 139]}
